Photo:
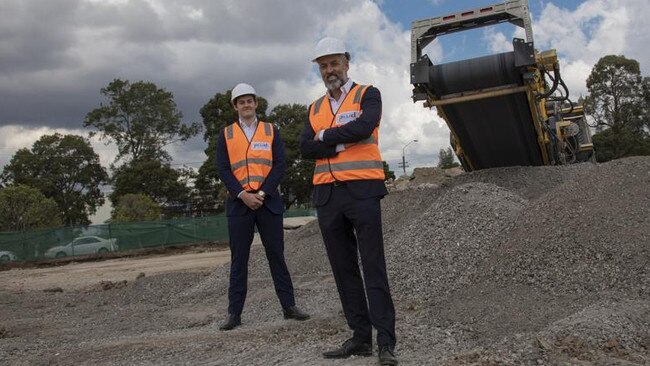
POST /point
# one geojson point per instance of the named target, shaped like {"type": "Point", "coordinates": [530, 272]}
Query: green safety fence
{"type": "Point", "coordinates": [300, 212]}
{"type": "Point", "coordinates": [94, 239]}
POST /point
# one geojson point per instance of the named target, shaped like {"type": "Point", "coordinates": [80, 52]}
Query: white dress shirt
{"type": "Point", "coordinates": [249, 131]}
{"type": "Point", "coordinates": [345, 89]}
{"type": "Point", "coordinates": [335, 104]}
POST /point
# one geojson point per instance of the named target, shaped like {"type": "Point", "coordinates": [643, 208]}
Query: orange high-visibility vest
{"type": "Point", "coordinates": [250, 162]}
{"type": "Point", "coordinates": [360, 160]}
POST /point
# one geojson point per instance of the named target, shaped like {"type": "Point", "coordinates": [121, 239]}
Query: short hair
{"type": "Point", "coordinates": [234, 101]}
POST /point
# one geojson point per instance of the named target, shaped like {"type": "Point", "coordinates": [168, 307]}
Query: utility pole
{"type": "Point", "coordinates": [403, 157]}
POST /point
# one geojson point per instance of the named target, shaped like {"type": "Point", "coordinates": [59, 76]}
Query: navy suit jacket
{"type": "Point", "coordinates": [273, 200]}
{"type": "Point", "coordinates": [353, 131]}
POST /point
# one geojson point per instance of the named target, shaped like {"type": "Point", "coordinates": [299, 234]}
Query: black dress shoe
{"type": "Point", "coordinates": [293, 312]}
{"type": "Point", "coordinates": [351, 347]}
{"type": "Point", "coordinates": [231, 322]}
{"type": "Point", "coordinates": [387, 356]}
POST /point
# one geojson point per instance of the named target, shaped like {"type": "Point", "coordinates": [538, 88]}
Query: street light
{"type": "Point", "coordinates": [403, 158]}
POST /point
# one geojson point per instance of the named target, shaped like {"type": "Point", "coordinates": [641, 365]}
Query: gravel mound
{"type": "Point", "coordinates": [446, 244]}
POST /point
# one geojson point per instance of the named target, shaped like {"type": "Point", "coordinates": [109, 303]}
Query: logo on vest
{"type": "Point", "coordinates": [345, 117]}
{"type": "Point", "coordinates": [260, 146]}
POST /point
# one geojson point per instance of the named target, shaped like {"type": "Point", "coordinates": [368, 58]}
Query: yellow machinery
{"type": "Point", "coordinates": [506, 109]}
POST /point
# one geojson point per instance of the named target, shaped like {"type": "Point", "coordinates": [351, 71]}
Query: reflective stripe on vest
{"type": "Point", "coordinates": [360, 160]}
{"type": "Point", "coordinates": [353, 165]}
{"type": "Point", "coordinates": [250, 162]}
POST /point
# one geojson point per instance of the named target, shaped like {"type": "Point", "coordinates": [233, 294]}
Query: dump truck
{"type": "Point", "coordinates": [506, 109]}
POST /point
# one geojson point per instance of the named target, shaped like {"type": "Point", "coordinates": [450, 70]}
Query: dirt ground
{"type": "Point", "coordinates": [510, 266]}
{"type": "Point", "coordinates": [78, 276]}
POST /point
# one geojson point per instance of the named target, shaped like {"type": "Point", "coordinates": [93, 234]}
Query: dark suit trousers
{"type": "Point", "coordinates": [339, 219]}
{"type": "Point", "coordinates": [241, 231]}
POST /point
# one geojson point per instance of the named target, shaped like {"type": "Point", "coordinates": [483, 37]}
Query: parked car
{"type": "Point", "coordinates": [83, 245]}
{"type": "Point", "coordinates": [7, 256]}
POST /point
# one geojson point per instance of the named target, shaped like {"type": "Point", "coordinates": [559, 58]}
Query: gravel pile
{"type": "Point", "coordinates": [511, 266]}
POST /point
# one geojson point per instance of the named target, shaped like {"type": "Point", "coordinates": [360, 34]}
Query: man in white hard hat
{"type": "Point", "coordinates": [342, 134]}
{"type": "Point", "coordinates": [251, 163]}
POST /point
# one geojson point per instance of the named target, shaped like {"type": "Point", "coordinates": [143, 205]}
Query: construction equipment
{"type": "Point", "coordinates": [506, 109]}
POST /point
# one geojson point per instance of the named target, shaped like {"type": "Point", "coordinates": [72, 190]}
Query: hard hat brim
{"type": "Point", "coordinates": [241, 89]}
{"type": "Point", "coordinates": [346, 54]}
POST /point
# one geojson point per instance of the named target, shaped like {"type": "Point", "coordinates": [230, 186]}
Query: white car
{"type": "Point", "coordinates": [7, 256]}
{"type": "Point", "coordinates": [83, 245]}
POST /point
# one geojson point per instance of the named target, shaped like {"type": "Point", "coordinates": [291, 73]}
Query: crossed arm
{"type": "Point", "coordinates": [354, 131]}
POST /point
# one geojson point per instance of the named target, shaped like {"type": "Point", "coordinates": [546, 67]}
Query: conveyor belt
{"type": "Point", "coordinates": [496, 131]}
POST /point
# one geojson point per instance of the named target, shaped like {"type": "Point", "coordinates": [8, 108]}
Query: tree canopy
{"type": "Point", "coordinates": [615, 93]}
{"type": "Point", "coordinates": [610, 145]}
{"type": "Point", "coordinates": [26, 208]}
{"type": "Point", "coordinates": [64, 168]}
{"type": "Point", "coordinates": [141, 119]}
{"type": "Point", "coordinates": [389, 174]}
{"type": "Point", "coordinates": [165, 185]}
{"type": "Point", "coordinates": [136, 207]}
{"type": "Point", "coordinates": [446, 159]}
{"type": "Point", "coordinates": [645, 119]}
{"type": "Point", "coordinates": [296, 186]}
{"type": "Point", "coordinates": [618, 103]}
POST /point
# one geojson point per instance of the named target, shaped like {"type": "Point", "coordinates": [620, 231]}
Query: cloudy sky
{"type": "Point", "coordinates": [55, 55]}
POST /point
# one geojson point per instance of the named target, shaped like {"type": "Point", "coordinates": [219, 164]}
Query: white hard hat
{"type": "Point", "coordinates": [241, 89]}
{"type": "Point", "coordinates": [330, 46]}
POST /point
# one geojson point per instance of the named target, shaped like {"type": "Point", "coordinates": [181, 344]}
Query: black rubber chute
{"type": "Point", "coordinates": [493, 132]}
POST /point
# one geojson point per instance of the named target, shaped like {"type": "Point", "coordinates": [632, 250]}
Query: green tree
{"type": "Point", "coordinates": [446, 159]}
{"type": "Point", "coordinates": [136, 207]}
{"type": "Point", "coordinates": [26, 208]}
{"type": "Point", "coordinates": [387, 172]}
{"type": "Point", "coordinates": [64, 168]}
{"type": "Point", "coordinates": [217, 113]}
{"type": "Point", "coordinates": [296, 186]}
{"type": "Point", "coordinates": [616, 102]}
{"type": "Point", "coordinates": [167, 186]}
{"type": "Point", "coordinates": [141, 119]}
{"type": "Point", "coordinates": [646, 105]}
{"type": "Point", "coordinates": [608, 144]}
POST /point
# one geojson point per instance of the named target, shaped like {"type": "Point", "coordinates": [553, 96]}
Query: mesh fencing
{"type": "Point", "coordinates": [104, 238]}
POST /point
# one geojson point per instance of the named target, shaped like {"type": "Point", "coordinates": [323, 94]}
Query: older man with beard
{"type": "Point", "coordinates": [342, 134]}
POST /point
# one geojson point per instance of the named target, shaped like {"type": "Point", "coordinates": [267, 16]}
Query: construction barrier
{"type": "Point", "coordinates": [104, 238]}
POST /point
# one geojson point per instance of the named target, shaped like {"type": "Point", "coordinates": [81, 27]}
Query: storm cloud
{"type": "Point", "coordinates": [56, 55]}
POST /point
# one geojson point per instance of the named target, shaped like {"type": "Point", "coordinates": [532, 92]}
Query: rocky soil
{"type": "Point", "coordinates": [511, 266]}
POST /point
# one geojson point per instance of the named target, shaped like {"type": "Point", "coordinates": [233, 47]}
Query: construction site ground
{"type": "Point", "coordinates": [508, 266]}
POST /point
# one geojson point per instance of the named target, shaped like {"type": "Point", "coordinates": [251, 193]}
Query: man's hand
{"type": "Point", "coordinates": [252, 200]}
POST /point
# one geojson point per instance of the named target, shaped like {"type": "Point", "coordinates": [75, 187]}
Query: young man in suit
{"type": "Point", "coordinates": [251, 163]}
{"type": "Point", "coordinates": [342, 134]}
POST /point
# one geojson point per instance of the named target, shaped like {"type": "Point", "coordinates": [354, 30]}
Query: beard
{"type": "Point", "coordinates": [333, 82]}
